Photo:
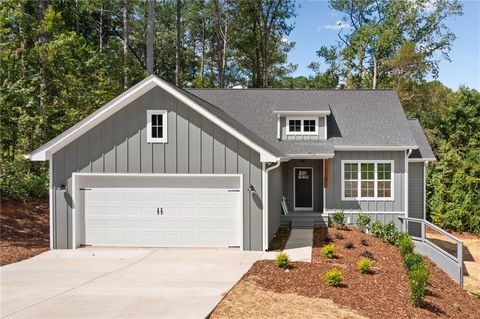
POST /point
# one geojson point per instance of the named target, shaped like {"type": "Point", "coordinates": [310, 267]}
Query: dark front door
{"type": "Point", "coordinates": [303, 188]}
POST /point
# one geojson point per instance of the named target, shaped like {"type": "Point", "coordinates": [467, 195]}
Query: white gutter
{"type": "Point", "coordinates": [265, 202]}
{"type": "Point", "coordinates": [373, 148]}
{"type": "Point", "coordinates": [302, 112]}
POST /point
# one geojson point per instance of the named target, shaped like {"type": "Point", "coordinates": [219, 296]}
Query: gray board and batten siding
{"type": "Point", "coordinates": [384, 211]}
{"type": "Point", "coordinates": [119, 145]}
{"type": "Point", "coordinates": [415, 196]}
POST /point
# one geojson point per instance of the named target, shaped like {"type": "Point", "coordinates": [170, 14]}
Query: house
{"type": "Point", "coordinates": [163, 166]}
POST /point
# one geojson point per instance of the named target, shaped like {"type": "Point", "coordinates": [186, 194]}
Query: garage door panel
{"type": "Point", "coordinates": [191, 217]}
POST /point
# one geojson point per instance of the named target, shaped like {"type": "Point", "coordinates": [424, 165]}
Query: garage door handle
{"type": "Point", "coordinates": [159, 211]}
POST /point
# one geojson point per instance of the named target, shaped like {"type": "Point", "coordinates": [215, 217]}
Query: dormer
{"type": "Point", "coordinates": [301, 125]}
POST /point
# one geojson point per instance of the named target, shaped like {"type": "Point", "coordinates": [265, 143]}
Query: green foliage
{"type": "Point", "coordinates": [333, 277]}
{"type": "Point", "coordinates": [418, 283]}
{"type": "Point", "coordinates": [363, 222]}
{"type": "Point", "coordinates": [328, 251]}
{"type": "Point", "coordinates": [453, 184]}
{"type": "Point", "coordinates": [405, 244]}
{"type": "Point", "coordinates": [364, 265]}
{"type": "Point", "coordinates": [338, 219]}
{"type": "Point", "coordinates": [377, 229]}
{"type": "Point", "coordinates": [386, 232]}
{"type": "Point", "coordinates": [282, 260]}
{"type": "Point", "coordinates": [412, 260]}
{"type": "Point", "coordinates": [17, 183]}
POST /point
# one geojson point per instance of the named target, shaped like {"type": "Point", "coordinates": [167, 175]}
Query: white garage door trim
{"type": "Point", "coordinates": [84, 180]}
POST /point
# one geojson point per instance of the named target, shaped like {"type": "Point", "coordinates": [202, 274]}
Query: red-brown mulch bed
{"type": "Point", "coordinates": [24, 230]}
{"type": "Point", "coordinates": [382, 294]}
{"type": "Point", "coordinates": [279, 240]}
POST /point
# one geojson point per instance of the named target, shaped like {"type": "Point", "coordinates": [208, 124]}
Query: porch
{"type": "Point", "coordinates": [297, 194]}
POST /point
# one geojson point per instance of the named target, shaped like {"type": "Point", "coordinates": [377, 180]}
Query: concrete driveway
{"type": "Point", "coordinates": [121, 283]}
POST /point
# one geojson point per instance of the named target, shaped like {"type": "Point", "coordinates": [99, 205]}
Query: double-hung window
{"type": "Point", "coordinates": [302, 126]}
{"type": "Point", "coordinates": [157, 126]}
{"type": "Point", "coordinates": [367, 180]}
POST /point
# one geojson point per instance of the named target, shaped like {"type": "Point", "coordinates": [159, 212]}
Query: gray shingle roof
{"type": "Point", "coordinates": [424, 151]}
{"type": "Point", "coordinates": [358, 118]}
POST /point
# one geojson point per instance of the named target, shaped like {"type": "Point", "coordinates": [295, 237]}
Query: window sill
{"type": "Point", "coordinates": [157, 141]}
{"type": "Point", "coordinates": [369, 199]}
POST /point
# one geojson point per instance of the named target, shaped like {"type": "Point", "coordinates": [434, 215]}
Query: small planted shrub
{"type": "Point", "coordinates": [367, 254]}
{"type": "Point", "coordinates": [338, 236]}
{"type": "Point", "coordinates": [411, 261]}
{"type": "Point", "coordinates": [418, 283]}
{"type": "Point", "coordinates": [365, 265]}
{"type": "Point", "coordinates": [405, 244]}
{"type": "Point", "coordinates": [338, 219]}
{"type": "Point", "coordinates": [328, 251]}
{"type": "Point", "coordinates": [282, 260]}
{"type": "Point", "coordinates": [377, 229]}
{"type": "Point", "coordinates": [333, 277]}
{"type": "Point", "coordinates": [364, 242]}
{"type": "Point", "coordinates": [363, 222]}
{"type": "Point", "coordinates": [390, 233]}
{"type": "Point", "coordinates": [349, 245]}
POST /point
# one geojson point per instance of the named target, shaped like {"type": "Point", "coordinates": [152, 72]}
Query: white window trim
{"type": "Point", "coordinates": [151, 139]}
{"type": "Point", "coordinates": [375, 198]}
{"type": "Point", "coordinates": [302, 132]}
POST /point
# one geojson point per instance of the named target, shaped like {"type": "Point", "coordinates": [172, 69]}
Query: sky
{"type": "Point", "coordinates": [316, 25]}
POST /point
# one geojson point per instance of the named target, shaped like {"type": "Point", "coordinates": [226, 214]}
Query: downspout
{"type": "Point", "coordinates": [407, 155]}
{"type": "Point", "coordinates": [265, 202]}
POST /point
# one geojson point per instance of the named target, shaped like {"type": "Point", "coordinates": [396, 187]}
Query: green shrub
{"type": "Point", "coordinates": [364, 265]}
{"type": "Point", "coordinates": [405, 244]}
{"type": "Point", "coordinates": [37, 185]}
{"type": "Point", "coordinates": [18, 183]}
{"type": "Point", "coordinates": [328, 251]}
{"type": "Point", "coordinates": [390, 233]}
{"type": "Point", "coordinates": [411, 261]}
{"type": "Point", "coordinates": [418, 283]}
{"type": "Point", "coordinates": [333, 277]}
{"type": "Point", "coordinates": [282, 260]}
{"type": "Point", "coordinates": [363, 222]}
{"type": "Point", "coordinates": [377, 229]}
{"type": "Point", "coordinates": [338, 219]}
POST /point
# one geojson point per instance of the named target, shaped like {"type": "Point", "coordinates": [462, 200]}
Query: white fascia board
{"type": "Point", "coordinates": [309, 156]}
{"type": "Point", "coordinates": [421, 160]}
{"type": "Point", "coordinates": [44, 152]}
{"type": "Point", "coordinates": [302, 112]}
{"type": "Point", "coordinates": [373, 148]}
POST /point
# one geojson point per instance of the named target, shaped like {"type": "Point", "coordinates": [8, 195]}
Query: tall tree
{"type": "Point", "coordinates": [178, 42]}
{"type": "Point", "coordinates": [150, 34]}
{"type": "Point", "coordinates": [377, 29]}
{"type": "Point", "coordinates": [261, 31]}
{"type": "Point", "coordinates": [126, 44]}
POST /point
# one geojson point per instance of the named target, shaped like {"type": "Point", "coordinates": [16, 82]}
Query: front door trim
{"type": "Point", "coordinates": [294, 183]}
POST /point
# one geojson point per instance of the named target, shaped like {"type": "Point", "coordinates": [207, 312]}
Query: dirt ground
{"type": "Point", "coordinates": [471, 257]}
{"type": "Point", "coordinates": [382, 294]}
{"type": "Point", "coordinates": [24, 230]}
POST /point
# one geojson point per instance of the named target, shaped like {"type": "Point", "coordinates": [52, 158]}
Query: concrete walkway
{"type": "Point", "coordinates": [299, 244]}
{"type": "Point", "coordinates": [121, 283]}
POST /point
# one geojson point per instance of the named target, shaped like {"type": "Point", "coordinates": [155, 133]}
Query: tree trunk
{"type": "Point", "coordinates": [374, 80]}
{"type": "Point", "coordinates": [202, 58]}
{"type": "Point", "coordinates": [43, 80]}
{"type": "Point", "coordinates": [178, 54]}
{"type": "Point", "coordinates": [150, 34]}
{"type": "Point", "coordinates": [77, 17]}
{"type": "Point", "coordinates": [100, 36]}
{"type": "Point", "coordinates": [126, 44]}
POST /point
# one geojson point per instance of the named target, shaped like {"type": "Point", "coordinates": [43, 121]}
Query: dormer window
{"type": "Point", "coordinates": [302, 126]}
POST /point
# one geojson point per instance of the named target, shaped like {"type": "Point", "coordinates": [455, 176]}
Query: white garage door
{"type": "Point", "coordinates": [163, 217]}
